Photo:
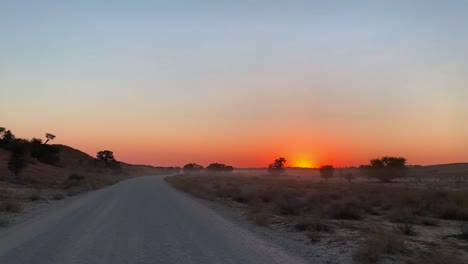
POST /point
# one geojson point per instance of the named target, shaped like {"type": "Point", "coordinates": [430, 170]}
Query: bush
{"type": "Point", "coordinates": [288, 205]}
{"type": "Point", "coordinates": [34, 196]}
{"type": "Point", "coordinates": [313, 236]}
{"type": "Point", "coordinates": [58, 196]}
{"type": "Point", "coordinates": [312, 224]}
{"type": "Point", "coordinates": [346, 210]}
{"type": "Point", "coordinates": [12, 207]}
{"type": "Point", "coordinates": [407, 229]}
{"type": "Point", "coordinates": [378, 245]}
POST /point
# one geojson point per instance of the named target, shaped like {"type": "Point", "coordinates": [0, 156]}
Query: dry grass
{"type": "Point", "coordinates": [434, 257]}
{"type": "Point", "coordinates": [377, 245]}
{"type": "Point", "coordinates": [294, 197]}
{"type": "Point", "coordinates": [11, 207]}
{"type": "Point", "coordinates": [339, 211]}
{"type": "Point", "coordinates": [35, 196]}
{"type": "Point", "coordinates": [58, 196]}
{"type": "Point", "coordinates": [4, 222]}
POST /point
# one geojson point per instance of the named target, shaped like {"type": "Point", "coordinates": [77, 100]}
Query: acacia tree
{"type": "Point", "coordinates": [386, 168]}
{"type": "Point", "coordinates": [327, 171]}
{"type": "Point", "coordinates": [49, 137]}
{"type": "Point", "coordinates": [277, 166]}
{"type": "Point", "coordinates": [191, 167]}
{"type": "Point", "coordinates": [108, 157]}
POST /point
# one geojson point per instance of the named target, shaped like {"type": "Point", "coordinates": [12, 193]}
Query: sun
{"type": "Point", "coordinates": [304, 163]}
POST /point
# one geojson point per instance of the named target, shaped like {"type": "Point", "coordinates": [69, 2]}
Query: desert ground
{"type": "Point", "coordinates": [418, 219]}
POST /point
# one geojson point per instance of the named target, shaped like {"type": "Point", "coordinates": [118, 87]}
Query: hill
{"type": "Point", "coordinates": [71, 161]}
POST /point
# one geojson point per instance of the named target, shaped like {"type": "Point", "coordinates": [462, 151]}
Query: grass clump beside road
{"type": "Point", "coordinates": [11, 207]}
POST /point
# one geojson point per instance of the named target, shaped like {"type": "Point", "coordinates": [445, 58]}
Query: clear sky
{"type": "Point", "coordinates": [239, 82]}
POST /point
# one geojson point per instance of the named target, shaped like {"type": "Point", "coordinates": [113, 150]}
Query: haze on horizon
{"type": "Point", "coordinates": [239, 82]}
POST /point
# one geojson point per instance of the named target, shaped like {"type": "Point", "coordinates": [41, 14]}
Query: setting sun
{"type": "Point", "coordinates": [303, 163]}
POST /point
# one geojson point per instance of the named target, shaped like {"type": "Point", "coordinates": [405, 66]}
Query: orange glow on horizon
{"type": "Point", "coordinates": [303, 163]}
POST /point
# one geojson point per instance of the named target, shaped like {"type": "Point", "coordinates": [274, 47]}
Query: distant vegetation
{"type": "Point", "coordinates": [192, 167]}
{"type": "Point", "coordinates": [108, 157]}
{"type": "Point", "coordinates": [218, 167]}
{"type": "Point", "coordinates": [385, 169]}
{"type": "Point", "coordinates": [22, 150]}
{"type": "Point", "coordinates": [277, 167]}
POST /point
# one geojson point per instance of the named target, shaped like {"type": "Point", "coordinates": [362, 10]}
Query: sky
{"type": "Point", "coordinates": [239, 82]}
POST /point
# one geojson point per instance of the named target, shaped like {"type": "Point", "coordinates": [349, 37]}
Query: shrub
{"type": "Point", "coordinates": [58, 196]}
{"type": "Point", "coordinates": [12, 207]}
{"type": "Point", "coordinates": [346, 210]}
{"type": "Point", "coordinates": [378, 245]}
{"type": "Point", "coordinates": [76, 177]}
{"type": "Point", "coordinates": [34, 196]}
{"type": "Point", "coordinates": [429, 221]}
{"type": "Point", "coordinates": [407, 229]}
{"type": "Point", "coordinates": [262, 218]}
{"type": "Point", "coordinates": [313, 236]}
{"type": "Point", "coordinates": [312, 224]}
{"type": "Point", "coordinates": [288, 204]}
{"type": "Point", "coordinates": [402, 215]}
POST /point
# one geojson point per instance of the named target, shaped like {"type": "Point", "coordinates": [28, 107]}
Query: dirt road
{"type": "Point", "coordinates": [142, 220]}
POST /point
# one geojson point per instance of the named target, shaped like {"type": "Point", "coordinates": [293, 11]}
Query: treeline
{"type": "Point", "coordinates": [23, 150]}
{"type": "Point", "coordinates": [213, 167]}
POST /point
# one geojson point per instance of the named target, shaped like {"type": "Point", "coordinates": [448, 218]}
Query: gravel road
{"type": "Point", "coordinates": [142, 220]}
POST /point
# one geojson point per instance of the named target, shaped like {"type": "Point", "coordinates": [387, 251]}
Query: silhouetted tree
{"type": "Point", "coordinates": [192, 167]}
{"type": "Point", "coordinates": [35, 148]}
{"type": "Point", "coordinates": [2, 129]}
{"type": "Point", "coordinates": [48, 154]}
{"type": "Point", "coordinates": [327, 171]}
{"type": "Point", "coordinates": [386, 169]}
{"type": "Point", "coordinates": [108, 157]}
{"type": "Point", "coordinates": [7, 139]}
{"type": "Point", "coordinates": [219, 167]}
{"type": "Point", "coordinates": [277, 166]}
{"type": "Point", "coordinates": [18, 159]}
{"type": "Point", "coordinates": [49, 137]}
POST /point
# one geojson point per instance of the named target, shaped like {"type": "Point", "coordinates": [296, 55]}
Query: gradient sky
{"type": "Point", "coordinates": [239, 82]}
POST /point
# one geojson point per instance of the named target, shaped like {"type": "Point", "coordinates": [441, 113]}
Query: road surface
{"type": "Point", "coordinates": [142, 220]}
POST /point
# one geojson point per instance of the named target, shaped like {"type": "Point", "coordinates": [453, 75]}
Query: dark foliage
{"type": "Point", "coordinates": [385, 169]}
{"type": "Point", "coordinates": [218, 167]}
{"type": "Point", "coordinates": [192, 167]}
{"type": "Point", "coordinates": [277, 166]}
